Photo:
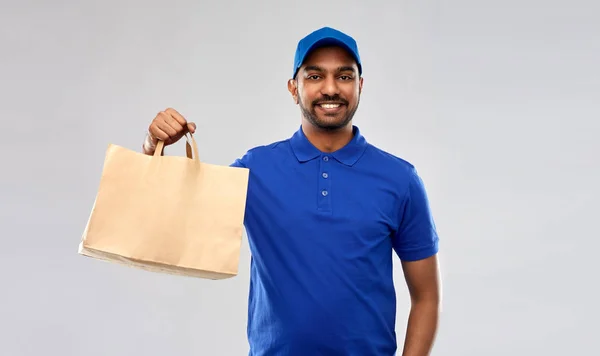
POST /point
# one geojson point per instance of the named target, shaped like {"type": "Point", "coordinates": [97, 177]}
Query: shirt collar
{"type": "Point", "coordinates": [348, 155]}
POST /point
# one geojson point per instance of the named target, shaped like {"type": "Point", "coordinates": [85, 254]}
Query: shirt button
{"type": "Point", "coordinates": [325, 158]}
{"type": "Point", "coordinates": [324, 193]}
{"type": "Point", "coordinates": [325, 175]}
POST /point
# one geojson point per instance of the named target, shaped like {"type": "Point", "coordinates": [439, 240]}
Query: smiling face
{"type": "Point", "coordinates": [327, 88]}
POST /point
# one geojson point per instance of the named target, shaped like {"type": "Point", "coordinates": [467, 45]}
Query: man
{"type": "Point", "coordinates": [325, 210]}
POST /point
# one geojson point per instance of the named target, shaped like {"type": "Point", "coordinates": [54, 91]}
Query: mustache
{"type": "Point", "coordinates": [327, 98]}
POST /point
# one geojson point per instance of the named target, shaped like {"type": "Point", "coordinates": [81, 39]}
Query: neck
{"type": "Point", "coordinates": [327, 141]}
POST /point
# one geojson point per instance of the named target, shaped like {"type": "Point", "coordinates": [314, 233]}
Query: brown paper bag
{"type": "Point", "coordinates": [174, 215]}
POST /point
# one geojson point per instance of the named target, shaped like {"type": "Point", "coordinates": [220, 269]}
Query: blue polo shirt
{"type": "Point", "coordinates": [322, 229]}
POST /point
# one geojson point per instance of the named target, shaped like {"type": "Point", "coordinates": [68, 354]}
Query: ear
{"type": "Point", "coordinates": [360, 85]}
{"type": "Point", "coordinates": [293, 89]}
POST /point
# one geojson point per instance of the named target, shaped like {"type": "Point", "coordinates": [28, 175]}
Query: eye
{"type": "Point", "coordinates": [313, 77]}
{"type": "Point", "coordinates": [346, 77]}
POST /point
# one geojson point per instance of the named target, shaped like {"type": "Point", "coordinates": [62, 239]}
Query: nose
{"type": "Point", "coordinates": [330, 86]}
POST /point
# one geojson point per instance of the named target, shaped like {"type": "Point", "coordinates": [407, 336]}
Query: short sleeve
{"type": "Point", "coordinates": [238, 163]}
{"type": "Point", "coordinates": [416, 237]}
{"type": "Point", "coordinates": [243, 161]}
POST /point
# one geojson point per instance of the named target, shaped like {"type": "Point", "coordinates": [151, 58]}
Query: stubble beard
{"type": "Point", "coordinates": [311, 116]}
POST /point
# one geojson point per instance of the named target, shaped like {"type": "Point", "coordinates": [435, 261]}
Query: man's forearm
{"type": "Point", "coordinates": [421, 329]}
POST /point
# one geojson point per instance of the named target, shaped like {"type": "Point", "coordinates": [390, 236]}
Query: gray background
{"type": "Point", "coordinates": [495, 102]}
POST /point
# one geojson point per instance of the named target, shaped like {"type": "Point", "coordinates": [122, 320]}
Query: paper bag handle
{"type": "Point", "coordinates": [188, 148]}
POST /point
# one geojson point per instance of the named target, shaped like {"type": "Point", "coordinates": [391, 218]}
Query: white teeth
{"type": "Point", "coordinates": [329, 106]}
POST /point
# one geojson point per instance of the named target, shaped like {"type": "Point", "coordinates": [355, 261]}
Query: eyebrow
{"type": "Point", "coordinates": [320, 69]}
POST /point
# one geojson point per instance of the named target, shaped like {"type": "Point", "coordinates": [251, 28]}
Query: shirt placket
{"type": "Point", "coordinates": [324, 193]}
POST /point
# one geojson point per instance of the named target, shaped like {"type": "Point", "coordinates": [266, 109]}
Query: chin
{"type": "Point", "coordinates": [327, 122]}
{"type": "Point", "coordinates": [330, 124]}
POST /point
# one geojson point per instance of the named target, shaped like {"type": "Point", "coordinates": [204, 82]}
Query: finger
{"type": "Point", "coordinates": [177, 116]}
{"type": "Point", "coordinates": [157, 134]}
{"type": "Point", "coordinates": [191, 127]}
{"type": "Point", "coordinates": [169, 125]}
{"type": "Point", "coordinates": [172, 122]}
{"type": "Point", "coordinates": [167, 129]}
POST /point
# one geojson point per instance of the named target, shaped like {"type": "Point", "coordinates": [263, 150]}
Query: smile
{"type": "Point", "coordinates": [329, 106]}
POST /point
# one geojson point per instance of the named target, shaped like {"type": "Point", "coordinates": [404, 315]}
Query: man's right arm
{"type": "Point", "coordinates": [169, 126]}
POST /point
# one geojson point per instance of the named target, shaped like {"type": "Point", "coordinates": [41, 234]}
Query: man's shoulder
{"type": "Point", "coordinates": [394, 169]}
{"type": "Point", "coordinates": [389, 160]}
{"type": "Point", "coordinates": [261, 153]}
{"type": "Point", "coordinates": [269, 148]}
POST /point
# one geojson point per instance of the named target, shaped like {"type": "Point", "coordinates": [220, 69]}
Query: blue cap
{"type": "Point", "coordinates": [321, 37]}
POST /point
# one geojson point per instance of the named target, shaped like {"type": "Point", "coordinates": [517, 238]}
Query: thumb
{"type": "Point", "coordinates": [191, 127]}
